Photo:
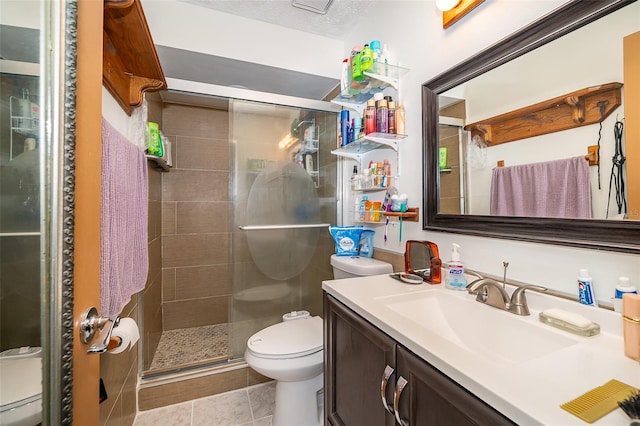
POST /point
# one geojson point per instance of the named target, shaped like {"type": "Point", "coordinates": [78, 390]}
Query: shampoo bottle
{"type": "Point", "coordinates": [455, 279]}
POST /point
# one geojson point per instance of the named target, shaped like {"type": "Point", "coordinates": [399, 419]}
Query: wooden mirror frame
{"type": "Point", "coordinates": [611, 235]}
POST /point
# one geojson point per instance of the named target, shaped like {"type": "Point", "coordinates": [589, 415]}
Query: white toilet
{"type": "Point", "coordinates": [21, 387]}
{"type": "Point", "coordinates": [291, 352]}
{"type": "Point", "coordinates": [355, 266]}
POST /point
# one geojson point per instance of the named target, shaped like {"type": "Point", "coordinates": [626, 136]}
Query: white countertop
{"type": "Point", "coordinates": [528, 392]}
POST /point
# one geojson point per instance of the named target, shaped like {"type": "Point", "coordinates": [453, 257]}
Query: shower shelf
{"type": "Point", "coordinates": [159, 161]}
{"type": "Point", "coordinates": [355, 150]}
{"type": "Point", "coordinates": [385, 74]}
{"type": "Point", "coordinates": [410, 215]}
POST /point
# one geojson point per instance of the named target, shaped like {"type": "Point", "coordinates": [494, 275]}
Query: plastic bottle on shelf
{"type": "Point", "coordinates": [357, 127]}
{"type": "Point", "coordinates": [344, 127]}
{"type": "Point", "coordinates": [399, 119]}
{"type": "Point", "coordinates": [366, 180]}
{"type": "Point", "coordinates": [379, 175]}
{"type": "Point", "coordinates": [355, 179]}
{"type": "Point", "coordinates": [386, 166]}
{"type": "Point", "coordinates": [363, 208]}
{"type": "Point", "coordinates": [376, 211]}
{"type": "Point", "coordinates": [392, 117]}
{"type": "Point", "coordinates": [368, 207]}
{"type": "Point", "coordinates": [344, 79]}
{"type": "Point", "coordinates": [370, 117]}
{"type": "Point", "coordinates": [377, 51]}
{"type": "Point", "coordinates": [382, 117]}
{"type": "Point", "coordinates": [356, 210]}
{"type": "Point", "coordinates": [386, 56]}
{"type": "Point", "coordinates": [366, 58]}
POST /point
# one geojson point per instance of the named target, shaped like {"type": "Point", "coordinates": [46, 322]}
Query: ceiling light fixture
{"type": "Point", "coordinates": [445, 5]}
{"type": "Point", "coordinates": [316, 6]}
{"type": "Point", "coordinates": [459, 9]}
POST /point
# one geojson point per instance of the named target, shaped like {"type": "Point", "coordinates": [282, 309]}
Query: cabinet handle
{"type": "Point", "coordinates": [400, 385]}
{"type": "Point", "coordinates": [388, 371]}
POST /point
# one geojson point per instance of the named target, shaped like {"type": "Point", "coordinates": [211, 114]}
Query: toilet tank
{"type": "Point", "coordinates": [355, 266]}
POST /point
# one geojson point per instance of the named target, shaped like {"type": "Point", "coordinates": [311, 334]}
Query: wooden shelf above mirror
{"type": "Point", "coordinates": [130, 64]}
{"type": "Point", "coordinates": [580, 108]}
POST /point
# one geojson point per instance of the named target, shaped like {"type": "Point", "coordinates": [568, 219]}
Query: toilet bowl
{"type": "Point", "coordinates": [21, 387]}
{"type": "Point", "coordinates": [291, 353]}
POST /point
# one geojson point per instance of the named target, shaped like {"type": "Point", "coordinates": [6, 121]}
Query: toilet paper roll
{"type": "Point", "coordinates": [127, 331]}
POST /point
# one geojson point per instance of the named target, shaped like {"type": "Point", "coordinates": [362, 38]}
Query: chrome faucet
{"type": "Point", "coordinates": [492, 293]}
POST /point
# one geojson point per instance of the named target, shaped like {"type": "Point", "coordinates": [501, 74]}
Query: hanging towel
{"type": "Point", "coordinates": [549, 189]}
{"type": "Point", "coordinates": [124, 260]}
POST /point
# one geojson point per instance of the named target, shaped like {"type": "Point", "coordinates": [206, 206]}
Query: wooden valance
{"type": "Point", "coordinates": [130, 64]}
{"type": "Point", "coordinates": [575, 109]}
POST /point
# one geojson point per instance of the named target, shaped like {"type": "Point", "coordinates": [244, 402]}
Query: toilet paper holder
{"type": "Point", "coordinates": [90, 323]}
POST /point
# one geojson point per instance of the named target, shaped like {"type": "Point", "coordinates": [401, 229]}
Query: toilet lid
{"type": "Point", "coordinates": [288, 339]}
{"type": "Point", "coordinates": [20, 381]}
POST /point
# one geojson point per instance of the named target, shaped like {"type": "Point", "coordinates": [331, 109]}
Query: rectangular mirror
{"type": "Point", "coordinates": [562, 59]}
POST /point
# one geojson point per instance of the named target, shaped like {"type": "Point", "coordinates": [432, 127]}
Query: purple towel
{"type": "Point", "coordinates": [124, 260]}
{"type": "Point", "coordinates": [550, 189]}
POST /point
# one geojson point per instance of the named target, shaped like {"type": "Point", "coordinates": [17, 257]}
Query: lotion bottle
{"type": "Point", "coordinates": [455, 279]}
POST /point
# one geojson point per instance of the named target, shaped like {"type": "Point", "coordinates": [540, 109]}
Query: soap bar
{"type": "Point", "coordinates": [569, 321]}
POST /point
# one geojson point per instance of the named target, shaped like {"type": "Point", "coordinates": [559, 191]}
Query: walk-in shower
{"type": "Point", "coordinates": [246, 210]}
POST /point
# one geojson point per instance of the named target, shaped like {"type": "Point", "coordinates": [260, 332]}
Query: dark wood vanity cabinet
{"type": "Point", "coordinates": [356, 355]}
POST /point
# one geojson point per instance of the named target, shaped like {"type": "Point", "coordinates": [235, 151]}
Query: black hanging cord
{"type": "Point", "coordinates": [617, 176]}
{"type": "Point", "coordinates": [602, 106]}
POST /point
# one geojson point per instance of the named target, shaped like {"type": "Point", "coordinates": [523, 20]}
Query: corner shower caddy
{"type": "Point", "coordinates": [380, 77]}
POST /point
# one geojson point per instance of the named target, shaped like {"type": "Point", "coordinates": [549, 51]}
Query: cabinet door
{"type": "Point", "coordinates": [356, 354]}
{"type": "Point", "coordinates": [431, 398]}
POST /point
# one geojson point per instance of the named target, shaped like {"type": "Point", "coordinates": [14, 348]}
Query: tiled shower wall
{"type": "Point", "coordinates": [195, 229]}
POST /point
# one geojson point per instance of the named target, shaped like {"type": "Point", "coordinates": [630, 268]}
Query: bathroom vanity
{"type": "Point", "coordinates": [362, 363]}
{"type": "Point", "coordinates": [440, 357]}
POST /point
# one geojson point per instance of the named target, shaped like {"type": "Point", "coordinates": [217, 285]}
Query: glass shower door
{"type": "Point", "coordinates": [283, 190]}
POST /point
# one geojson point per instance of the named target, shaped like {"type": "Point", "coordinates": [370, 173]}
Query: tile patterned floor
{"type": "Point", "coordinates": [252, 406]}
{"type": "Point", "coordinates": [188, 345]}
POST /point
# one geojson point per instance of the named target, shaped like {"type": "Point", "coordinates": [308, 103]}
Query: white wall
{"type": "Point", "coordinates": [185, 26]}
{"type": "Point", "coordinates": [414, 34]}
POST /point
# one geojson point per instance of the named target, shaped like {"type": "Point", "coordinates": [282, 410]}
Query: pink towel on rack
{"type": "Point", "coordinates": [550, 189]}
{"type": "Point", "coordinates": [124, 260]}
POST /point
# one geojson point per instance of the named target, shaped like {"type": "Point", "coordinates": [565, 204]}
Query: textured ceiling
{"type": "Point", "coordinates": [336, 23]}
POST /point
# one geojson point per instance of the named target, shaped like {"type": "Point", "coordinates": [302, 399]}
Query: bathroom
{"type": "Point", "coordinates": [474, 32]}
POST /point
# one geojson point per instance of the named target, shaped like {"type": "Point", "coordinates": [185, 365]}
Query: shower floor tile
{"type": "Point", "coordinates": [186, 346]}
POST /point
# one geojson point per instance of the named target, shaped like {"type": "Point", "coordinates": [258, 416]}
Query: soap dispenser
{"type": "Point", "coordinates": [455, 279]}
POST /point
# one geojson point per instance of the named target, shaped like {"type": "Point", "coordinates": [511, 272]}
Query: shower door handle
{"type": "Point", "coordinates": [292, 226]}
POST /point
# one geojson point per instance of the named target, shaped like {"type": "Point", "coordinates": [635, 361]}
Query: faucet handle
{"type": "Point", "coordinates": [518, 300]}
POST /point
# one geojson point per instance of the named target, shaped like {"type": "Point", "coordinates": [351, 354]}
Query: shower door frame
{"type": "Point", "coordinates": [209, 95]}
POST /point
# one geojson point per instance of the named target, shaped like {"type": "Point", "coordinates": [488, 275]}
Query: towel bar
{"type": "Point", "coordinates": [292, 226]}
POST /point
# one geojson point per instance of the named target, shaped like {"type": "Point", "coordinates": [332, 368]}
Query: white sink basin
{"type": "Point", "coordinates": [477, 327]}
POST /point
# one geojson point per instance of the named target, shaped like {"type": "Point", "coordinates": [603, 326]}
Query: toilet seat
{"type": "Point", "coordinates": [21, 382]}
{"type": "Point", "coordinates": [289, 339]}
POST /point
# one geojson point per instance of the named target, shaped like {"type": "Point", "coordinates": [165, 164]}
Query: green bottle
{"type": "Point", "coordinates": [155, 140]}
